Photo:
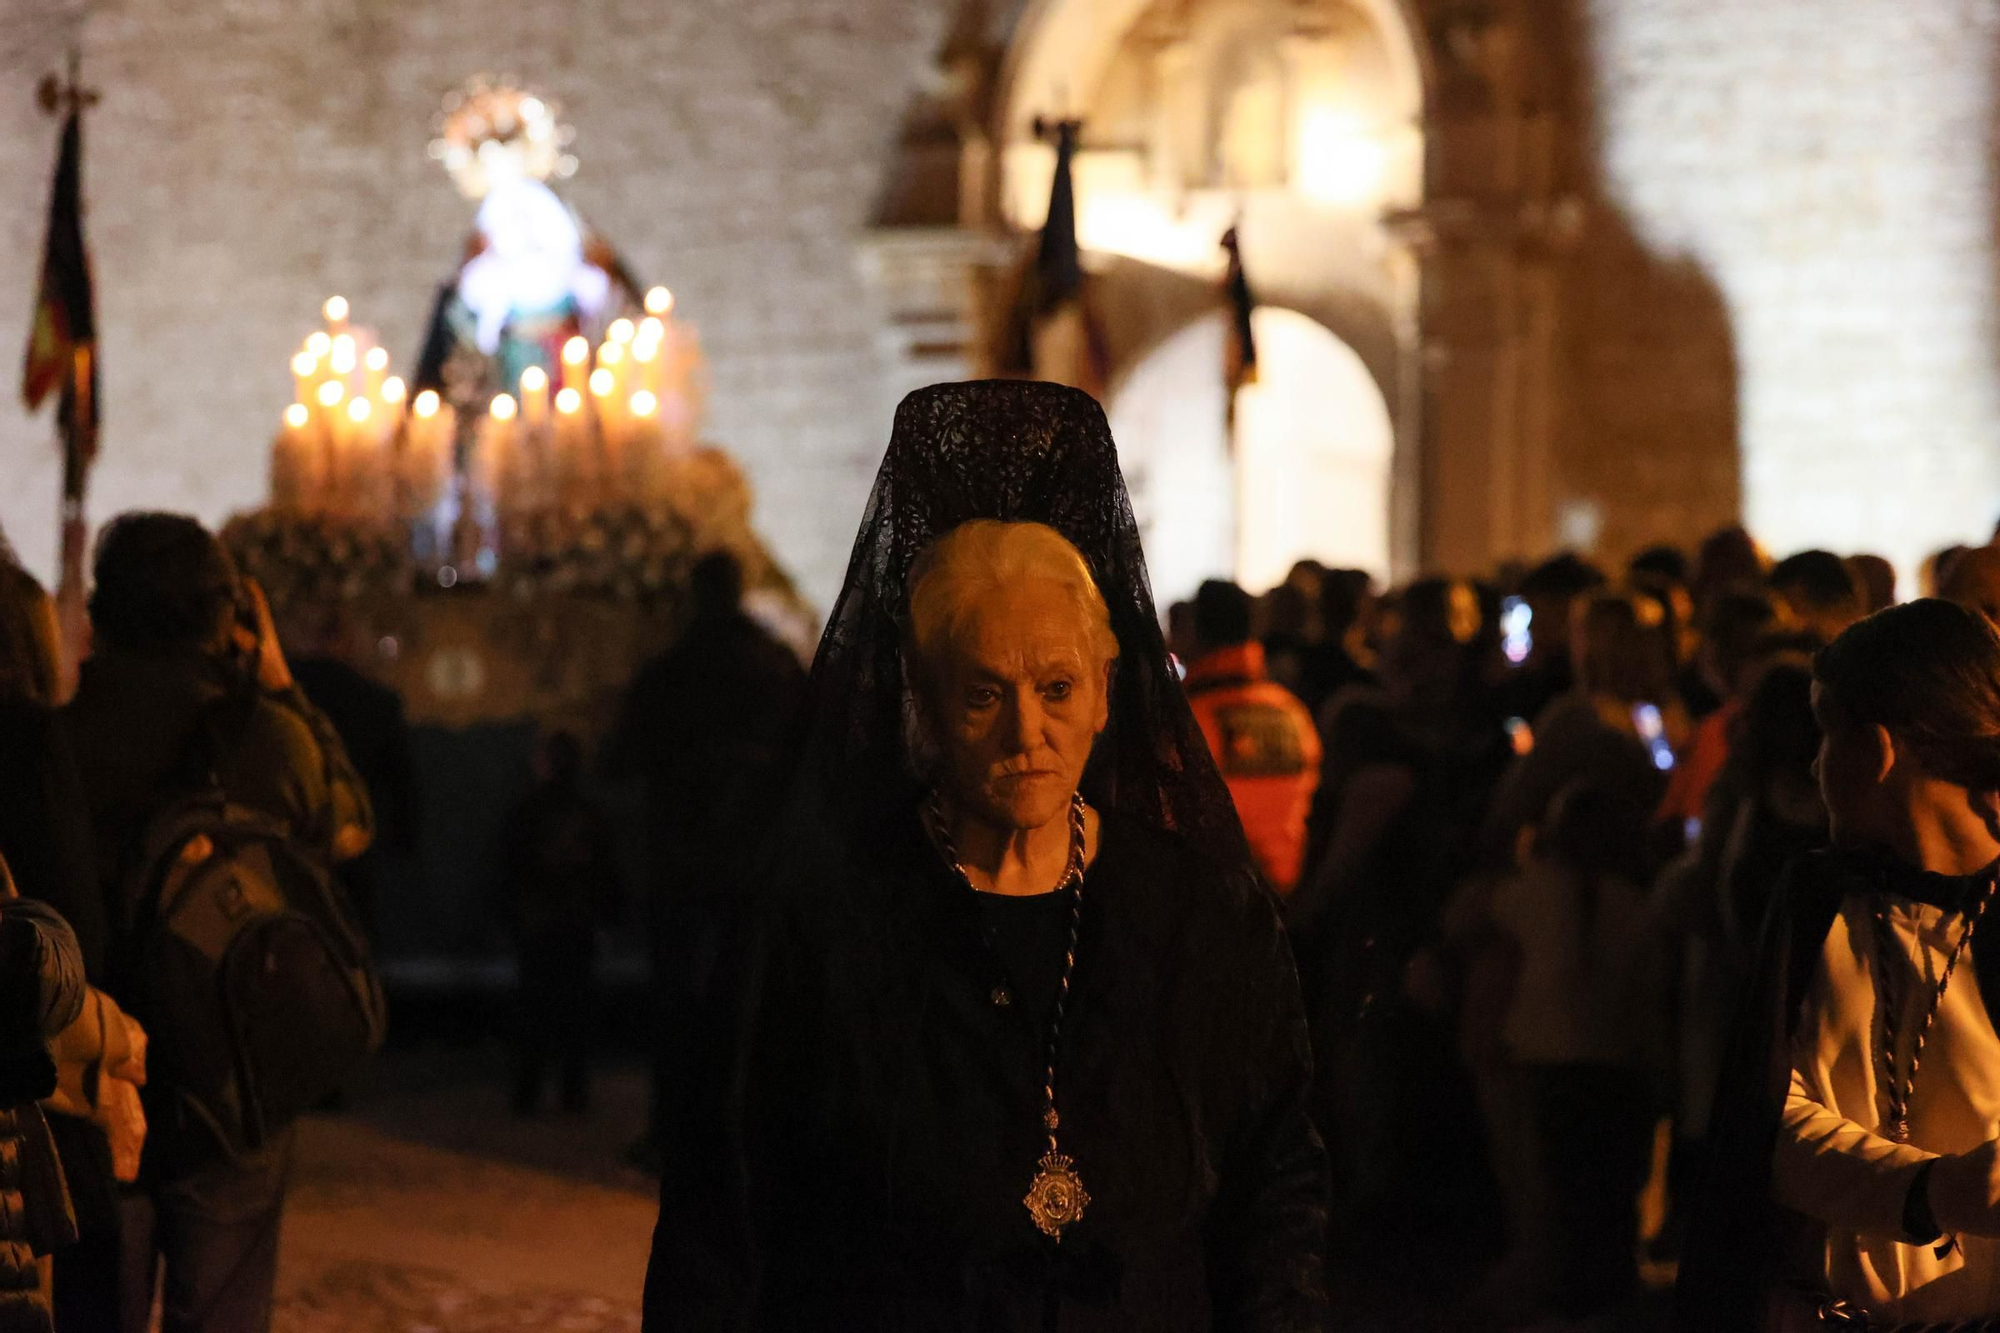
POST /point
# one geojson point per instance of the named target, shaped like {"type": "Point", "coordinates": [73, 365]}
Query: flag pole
{"type": "Point", "coordinates": [61, 99]}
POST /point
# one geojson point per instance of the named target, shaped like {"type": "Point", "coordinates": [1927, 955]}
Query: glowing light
{"type": "Point", "coordinates": [426, 405]}
{"type": "Point", "coordinates": [393, 390]}
{"type": "Point", "coordinates": [659, 301]}
{"type": "Point", "coordinates": [359, 410]}
{"type": "Point", "coordinates": [644, 403]}
{"type": "Point", "coordinates": [645, 349]}
{"type": "Point", "coordinates": [610, 354]}
{"type": "Point", "coordinates": [576, 351]}
{"type": "Point", "coordinates": [377, 359]}
{"type": "Point", "coordinates": [304, 364]}
{"type": "Point", "coordinates": [569, 402]}
{"type": "Point", "coordinates": [342, 358]}
{"type": "Point", "coordinates": [504, 407]}
{"type": "Point", "coordinates": [297, 415]}
{"type": "Point", "coordinates": [319, 345]}
{"type": "Point", "coordinates": [652, 329]}
{"type": "Point", "coordinates": [1340, 161]}
{"type": "Point", "coordinates": [601, 382]}
{"type": "Point", "coordinates": [331, 392]}
{"type": "Point", "coordinates": [534, 379]}
{"type": "Point", "coordinates": [335, 309]}
{"type": "Point", "coordinates": [621, 331]}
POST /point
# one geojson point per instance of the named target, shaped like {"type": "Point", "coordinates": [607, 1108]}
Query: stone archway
{"type": "Point", "coordinates": [1307, 474]}
{"type": "Point", "coordinates": [1299, 122]}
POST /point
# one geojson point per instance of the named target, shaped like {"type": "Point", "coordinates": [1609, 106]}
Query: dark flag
{"type": "Point", "coordinates": [1239, 364]}
{"type": "Point", "coordinates": [1050, 333]}
{"type": "Point", "coordinates": [62, 343]}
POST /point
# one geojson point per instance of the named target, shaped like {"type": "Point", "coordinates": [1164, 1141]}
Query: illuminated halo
{"type": "Point", "coordinates": [489, 115]}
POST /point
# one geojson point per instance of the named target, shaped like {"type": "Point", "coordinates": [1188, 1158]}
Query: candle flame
{"type": "Point", "coordinates": [659, 301]}
{"type": "Point", "coordinates": [503, 408]}
{"type": "Point", "coordinates": [652, 329]}
{"type": "Point", "coordinates": [331, 392]}
{"type": "Point", "coordinates": [644, 403]}
{"type": "Point", "coordinates": [645, 349]}
{"type": "Point", "coordinates": [534, 379]}
{"type": "Point", "coordinates": [576, 351]}
{"type": "Point", "coordinates": [297, 415]}
{"type": "Point", "coordinates": [601, 382]}
{"type": "Point", "coordinates": [319, 345]}
{"type": "Point", "coordinates": [342, 359]}
{"type": "Point", "coordinates": [304, 364]}
{"type": "Point", "coordinates": [378, 358]}
{"type": "Point", "coordinates": [610, 354]}
{"type": "Point", "coordinates": [359, 410]}
{"type": "Point", "coordinates": [426, 405]}
{"type": "Point", "coordinates": [335, 309]}
{"type": "Point", "coordinates": [621, 331]}
{"type": "Point", "coordinates": [393, 390]}
{"type": "Point", "coordinates": [569, 402]}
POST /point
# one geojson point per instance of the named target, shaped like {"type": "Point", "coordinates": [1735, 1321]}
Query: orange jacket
{"type": "Point", "coordinates": [1264, 742]}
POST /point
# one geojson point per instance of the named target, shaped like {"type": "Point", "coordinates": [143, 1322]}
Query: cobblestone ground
{"type": "Point", "coordinates": [427, 1208]}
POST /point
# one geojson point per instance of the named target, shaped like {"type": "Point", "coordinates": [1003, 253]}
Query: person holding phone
{"type": "Point", "coordinates": [176, 632]}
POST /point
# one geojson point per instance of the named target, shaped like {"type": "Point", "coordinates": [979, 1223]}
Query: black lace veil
{"type": "Point", "coordinates": [1014, 450]}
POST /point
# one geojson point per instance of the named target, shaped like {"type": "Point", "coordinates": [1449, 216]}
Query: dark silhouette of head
{"type": "Point", "coordinates": [1820, 590]}
{"type": "Point", "coordinates": [163, 583]}
{"type": "Point", "coordinates": [715, 585]}
{"type": "Point", "coordinates": [1659, 564]}
{"type": "Point", "coordinates": [1876, 578]}
{"type": "Point", "coordinates": [1737, 622]}
{"type": "Point", "coordinates": [1973, 581]}
{"type": "Point", "coordinates": [1222, 616]}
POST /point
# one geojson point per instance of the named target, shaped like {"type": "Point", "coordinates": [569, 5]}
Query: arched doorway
{"type": "Point", "coordinates": [1309, 475]}
{"type": "Point", "coordinates": [1299, 124]}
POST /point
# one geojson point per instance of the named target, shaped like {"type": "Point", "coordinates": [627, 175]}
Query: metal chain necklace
{"type": "Point", "coordinates": [1056, 1196]}
{"type": "Point", "coordinates": [1899, 1091]}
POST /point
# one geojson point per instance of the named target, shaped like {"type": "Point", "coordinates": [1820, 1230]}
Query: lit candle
{"type": "Point", "coordinates": [335, 311]}
{"type": "Point", "coordinates": [534, 396]}
{"type": "Point", "coordinates": [377, 365]}
{"type": "Point", "coordinates": [659, 301]}
{"type": "Point", "coordinates": [305, 370]}
{"type": "Point", "coordinates": [498, 467]}
{"type": "Point", "coordinates": [319, 344]}
{"type": "Point", "coordinates": [575, 362]}
{"type": "Point", "coordinates": [291, 483]}
{"type": "Point", "coordinates": [571, 463]}
{"type": "Point", "coordinates": [342, 358]}
{"type": "Point", "coordinates": [620, 332]}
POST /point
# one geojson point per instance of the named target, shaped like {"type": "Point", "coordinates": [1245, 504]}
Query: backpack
{"type": "Point", "coordinates": [250, 972]}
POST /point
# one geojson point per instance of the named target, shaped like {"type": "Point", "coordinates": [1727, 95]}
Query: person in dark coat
{"type": "Point", "coordinates": [1854, 1178]}
{"type": "Point", "coordinates": [704, 728]}
{"type": "Point", "coordinates": [41, 992]}
{"type": "Point", "coordinates": [560, 886]}
{"type": "Point", "coordinates": [1016, 1042]}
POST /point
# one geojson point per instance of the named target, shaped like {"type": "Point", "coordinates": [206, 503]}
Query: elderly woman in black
{"type": "Point", "coordinates": [1018, 1043]}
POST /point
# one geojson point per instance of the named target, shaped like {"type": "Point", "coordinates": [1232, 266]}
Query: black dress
{"type": "Point", "coordinates": [889, 1095]}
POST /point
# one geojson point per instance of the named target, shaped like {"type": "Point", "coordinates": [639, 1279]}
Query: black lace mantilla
{"type": "Point", "coordinates": [1014, 450]}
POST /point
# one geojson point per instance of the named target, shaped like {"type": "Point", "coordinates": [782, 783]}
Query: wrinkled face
{"type": "Point", "coordinates": [1015, 701]}
{"type": "Point", "coordinates": [1849, 769]}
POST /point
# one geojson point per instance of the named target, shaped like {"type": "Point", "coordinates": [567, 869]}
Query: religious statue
{"type": "Point", "coordinates": [533, 275]}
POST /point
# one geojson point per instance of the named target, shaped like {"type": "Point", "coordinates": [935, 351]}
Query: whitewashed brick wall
{"type": "Point", "coordinates": [1827, 162]}
{"type": "Point", "coordinates": [252, 156]}
{"type": "Point", "coordinates": [1830, 165]}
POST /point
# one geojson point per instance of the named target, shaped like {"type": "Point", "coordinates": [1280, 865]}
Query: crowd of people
{"type": "Point", "coordinates": [1528, 846]}
{"type": "Point", "coordinates": [1456, 955]}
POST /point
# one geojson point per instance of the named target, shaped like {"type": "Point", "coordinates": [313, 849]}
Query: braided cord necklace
{"type": "Point", "coordinates": [1899, 1091]}
{"type": "Point", "coordinates": [1056, 1196]}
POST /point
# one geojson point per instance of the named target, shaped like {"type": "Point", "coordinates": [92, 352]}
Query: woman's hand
{"type": "Point", "coordinates": [261, 644]}
{"type": "Point", "coordinates": [1965, 1192]}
